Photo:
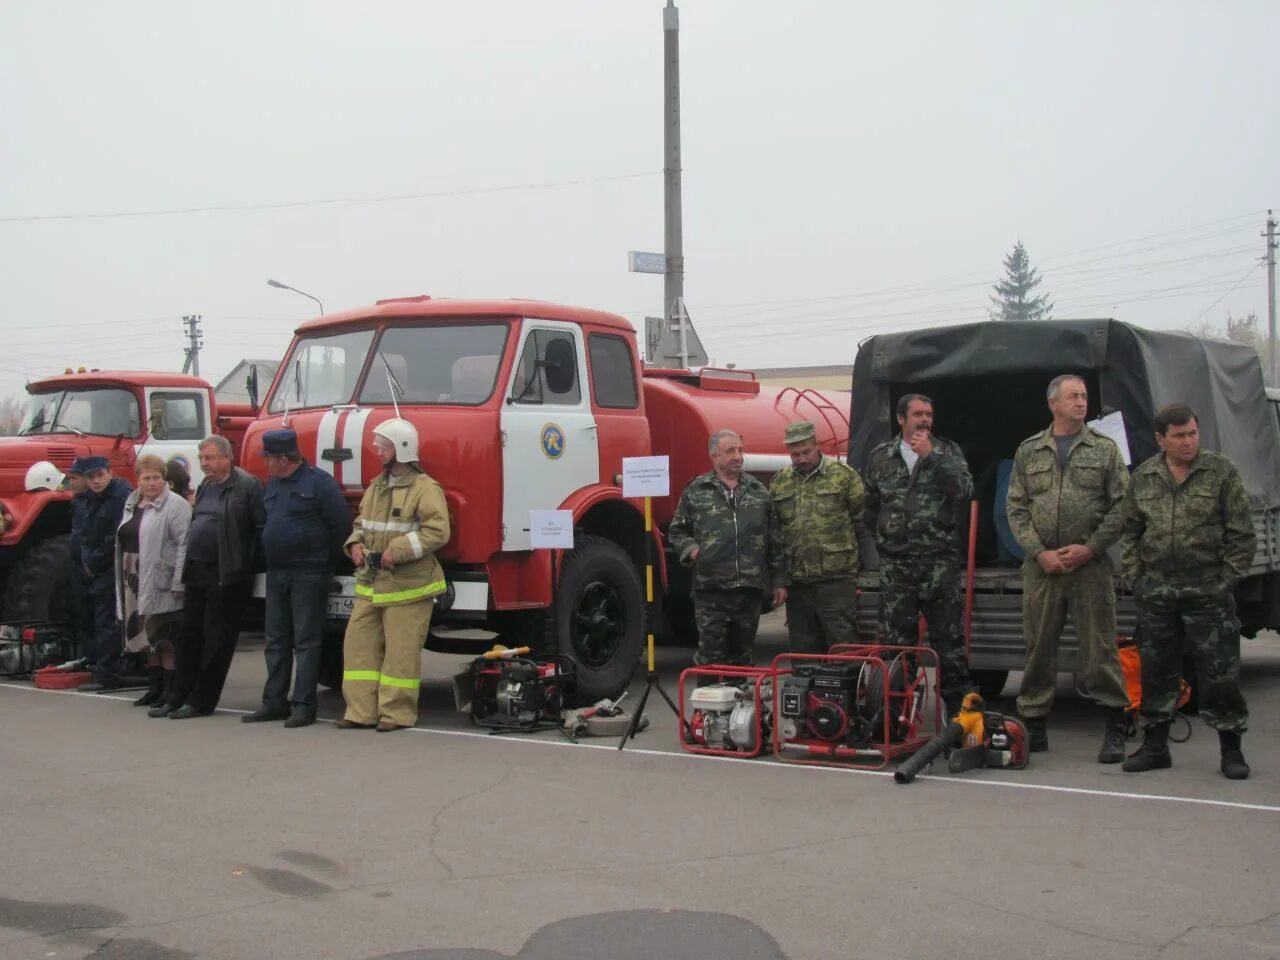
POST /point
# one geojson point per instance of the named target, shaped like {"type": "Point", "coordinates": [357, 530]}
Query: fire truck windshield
{"type": "Point", "coordinates": [106, 411]}
{"type": "Point", "coordinates": [454, 364]}
{"type": "Point", "coordinates": [322, 371]}
{"type": "Point", "coordinates": [449, 363]}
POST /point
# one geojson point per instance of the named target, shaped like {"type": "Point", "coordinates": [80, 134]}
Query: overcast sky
{"type": "Point", "coordinates": [832, 151]}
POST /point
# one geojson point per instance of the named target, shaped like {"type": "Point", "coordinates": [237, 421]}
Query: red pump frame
{"type": "Point", "coordinates": [878, 754]}
{"type": "Point", "coordinates": [758, 675]}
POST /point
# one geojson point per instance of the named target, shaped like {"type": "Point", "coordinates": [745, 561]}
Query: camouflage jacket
{"type": "Point", "coordinates": [1197, 531]}
{"type": "Point", "coordinates": [917, 513]}
{"type": "Point", "coordinates": [730, 531]}
{"type": "Point", "coordinates": [1049, 509]}
{"type": "Point", "coordinates": [815, 521]}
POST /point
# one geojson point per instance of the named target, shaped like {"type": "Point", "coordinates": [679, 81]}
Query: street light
{"type": "Point", "coordinates": [284, 286]}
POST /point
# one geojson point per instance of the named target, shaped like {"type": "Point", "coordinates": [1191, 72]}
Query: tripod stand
{"type": "Point", "coordinates": [651, 681]}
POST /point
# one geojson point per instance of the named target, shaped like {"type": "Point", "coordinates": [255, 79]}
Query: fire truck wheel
{"type": "Point", "coordinates": [331, 656]}
{"type": "Point", "coordinates": [990, 683]}
{"type": "Point", "coordinates": [678, 625]}
{"type": "Point", "coordinates": [597, 618]}
{"type": "Point", "coordinates": [39, 587]}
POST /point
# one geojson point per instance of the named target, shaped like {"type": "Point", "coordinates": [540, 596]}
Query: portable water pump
{"type": "Point", "coordinates": [731, 717]}
{"type": "Point", "coordinates": [514, 693]}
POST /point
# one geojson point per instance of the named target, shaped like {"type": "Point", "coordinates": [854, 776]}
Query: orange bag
{"type": "Point", "coordinates": [1131, 664]}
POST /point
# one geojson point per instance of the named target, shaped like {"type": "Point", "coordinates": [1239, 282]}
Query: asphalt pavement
{"type": "Point", "coordinates": [131, 837]}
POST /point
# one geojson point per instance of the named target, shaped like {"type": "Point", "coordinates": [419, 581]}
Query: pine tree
{"type": "Point", "coordinates": [1014, 300]}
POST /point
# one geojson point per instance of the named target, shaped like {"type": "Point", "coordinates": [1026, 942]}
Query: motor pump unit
{"type": "Point", "coordinates": [725, 716]}
{"type": "Point", "coordinates": [26, 647]}
{"type": "Point", "coordinates": [519, 694]}
{"type": "Point", "coordinates": [844, 702]}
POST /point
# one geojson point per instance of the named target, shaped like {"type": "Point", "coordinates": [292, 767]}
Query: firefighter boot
{"type": "Point", "coordinates": [1037, 733]}
{"type": "Point", "coordinates": [1113, 737]}
{"type": "Point", "coordinates": [155, 687]}
{"type": "Point", "coordinates": [1154, 752]}
{"type": "Point", "coordinates": [1233, 765]}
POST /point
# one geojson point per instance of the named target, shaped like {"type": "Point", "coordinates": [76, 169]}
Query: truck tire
{"type": "Point", "coordinates": [39, 586]}
{"type": "Point", "coordinates": [331, 655]}
{"type": "Point", "coordinates": [678, 626]}
{"type": "Point", "coordinates": [990, 683]}
{"type": "Point", "coordinates": [597, 619]}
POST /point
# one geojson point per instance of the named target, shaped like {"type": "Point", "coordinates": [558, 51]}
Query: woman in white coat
{"type": "Point", "coordinates": [151, 546]}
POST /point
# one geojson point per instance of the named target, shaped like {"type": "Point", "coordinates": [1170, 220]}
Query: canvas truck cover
{"type": "Point", "coordinates": [1137, 372]}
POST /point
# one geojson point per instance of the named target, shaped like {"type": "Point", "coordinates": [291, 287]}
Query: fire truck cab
{"type": "Point", "coordinates": [519, 406]}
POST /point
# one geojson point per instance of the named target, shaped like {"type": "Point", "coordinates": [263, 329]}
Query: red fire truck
{"type": "Point", "coordinates": [520, 406]}
{"type": "Point", "coordinates": [115, 414]}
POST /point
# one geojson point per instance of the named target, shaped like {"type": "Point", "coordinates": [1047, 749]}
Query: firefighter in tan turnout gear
{"type": "Point", "coordinates": [403, 520]}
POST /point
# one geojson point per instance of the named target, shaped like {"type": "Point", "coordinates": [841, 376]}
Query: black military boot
{"type": "Point", "coordinates": [1113, 737]}
{"type": "Point", "coordinates": [1233, 765]}
{"type": "Point", "coordinates": [155, 687]}
{"type": "Point", "coordinates": [1037, 733]}
{"type": "Point", "coordinates": [1154, 752]}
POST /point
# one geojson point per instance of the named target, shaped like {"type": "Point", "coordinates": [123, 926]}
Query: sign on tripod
{"type": "Point", "coordinates": [646, 476]}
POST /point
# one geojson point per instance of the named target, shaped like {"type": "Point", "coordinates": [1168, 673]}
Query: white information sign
{"type": "Point", "coordinates": [646, 476]}
{"type": "Point", "coordinates": [551, 529]}
{"type": "Point", "coordinates": [1112, 426]}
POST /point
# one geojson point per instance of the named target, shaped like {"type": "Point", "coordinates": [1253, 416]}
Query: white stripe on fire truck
{"type": "Point", "coordinates": [326, 439]}
{"type": "Point", "coordinates": [353, 440]}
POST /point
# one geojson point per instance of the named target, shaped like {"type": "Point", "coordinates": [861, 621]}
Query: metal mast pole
{"type": "Point", "coordinates": [1271, 301]}
{"type": "Point", "coordinates": [673, 281]}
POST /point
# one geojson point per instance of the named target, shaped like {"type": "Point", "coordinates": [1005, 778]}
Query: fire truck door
{"type": "Point", "coordinates": [177, 420]}
{"type": "Point", "coordinates": [548, 430]}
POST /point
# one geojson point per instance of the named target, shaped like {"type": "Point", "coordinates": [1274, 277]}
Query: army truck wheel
{"type": "Point", "coordinates": [597, 618]}
{"type": "Point", "coordinates": [39, 586]}
{"type": "Point", "coordinates": [990, 683]}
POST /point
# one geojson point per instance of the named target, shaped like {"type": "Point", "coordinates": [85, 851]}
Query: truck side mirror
{"type": "Point", "coordinates": [251, 385]}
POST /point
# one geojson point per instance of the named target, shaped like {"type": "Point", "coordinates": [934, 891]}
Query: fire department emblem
{"type": "Point", "coordinates": [552, 441]}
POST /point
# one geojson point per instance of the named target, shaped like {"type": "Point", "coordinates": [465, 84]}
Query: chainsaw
{"type": "Point", "coordinates": [975, 738]}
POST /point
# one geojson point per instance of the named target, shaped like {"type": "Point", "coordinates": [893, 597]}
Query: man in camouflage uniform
{"type": "Point", "coordinates": [1188, 539]}
{"type": "Point", "coordinates": [721, 529]}
{"type": "Point", "coordinates": [1064, 509]}
{"type": "Point", "coordinates": [817, 503]}
{"type": "Point", "coordinates": [918, 490]}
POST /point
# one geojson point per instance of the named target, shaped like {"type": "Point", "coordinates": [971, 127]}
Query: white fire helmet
{"type": "Point", "coordinates": [43, 476]}
{"type": "Point", "coordinates": [403, 436]}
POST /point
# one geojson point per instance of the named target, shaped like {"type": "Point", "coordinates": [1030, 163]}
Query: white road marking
{"type": "Point", "coordinates": [612, 744]}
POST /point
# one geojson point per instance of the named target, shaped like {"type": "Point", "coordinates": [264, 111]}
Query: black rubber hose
{"type": "Point", "coordinates": [952, 736]}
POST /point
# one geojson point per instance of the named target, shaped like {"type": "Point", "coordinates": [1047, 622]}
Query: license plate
{"type": "Point", "coordinates": [340, 607]}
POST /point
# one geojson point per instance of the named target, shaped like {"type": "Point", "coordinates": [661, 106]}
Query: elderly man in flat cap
{"type": "Point", "coordinates": [817, 509]}
{"type": "Point", "coordinates": [307, 522]}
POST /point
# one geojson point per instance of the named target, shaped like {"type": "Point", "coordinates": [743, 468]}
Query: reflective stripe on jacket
{"type": "Point", "coordinates": [408, 520]}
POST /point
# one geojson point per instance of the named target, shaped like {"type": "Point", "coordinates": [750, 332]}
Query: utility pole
{"type": "Point", "coordinates": [673, 280]}
{"type": "Point", "coordinates": [192, 323]}
{"type": "Point", "coordinates": [1271, 300]}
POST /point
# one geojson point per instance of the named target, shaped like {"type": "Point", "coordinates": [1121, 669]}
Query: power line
{"type": "Point", "coordinates": [290, 204]}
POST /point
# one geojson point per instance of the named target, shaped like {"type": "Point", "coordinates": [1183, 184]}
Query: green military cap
{"type": "Point", "coordinates": [800, 432]}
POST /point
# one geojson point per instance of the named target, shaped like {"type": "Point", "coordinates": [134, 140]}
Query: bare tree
{"type": "Point", "coordinates": [1247, 330]}
{"type": "Point", "coordinates": [11, 410]}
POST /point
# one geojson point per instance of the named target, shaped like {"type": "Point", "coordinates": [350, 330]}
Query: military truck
{"type": "Point", "coordinates": [988, 383]}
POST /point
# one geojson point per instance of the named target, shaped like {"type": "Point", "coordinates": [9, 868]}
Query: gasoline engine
{"type": "Point", "coordinates": [844, 703]}
{"type": "Point", "coordinates": [26, 647]}
{"type": "Point", "coordinates": [514, 693]}
{"type": "Point", "coordinates": [731, 717]}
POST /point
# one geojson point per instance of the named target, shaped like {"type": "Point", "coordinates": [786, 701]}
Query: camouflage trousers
{"type": "Point", "coordinates": [929, 586]}
{"type": "Point", "coordinates": [727, 621]}
{"type": "Point", "coordinates": [1088, 594]}
{"type": "Point", "coordinates": [820, 613]}
{"type": "Point", "coordinates": [1171, 619]}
